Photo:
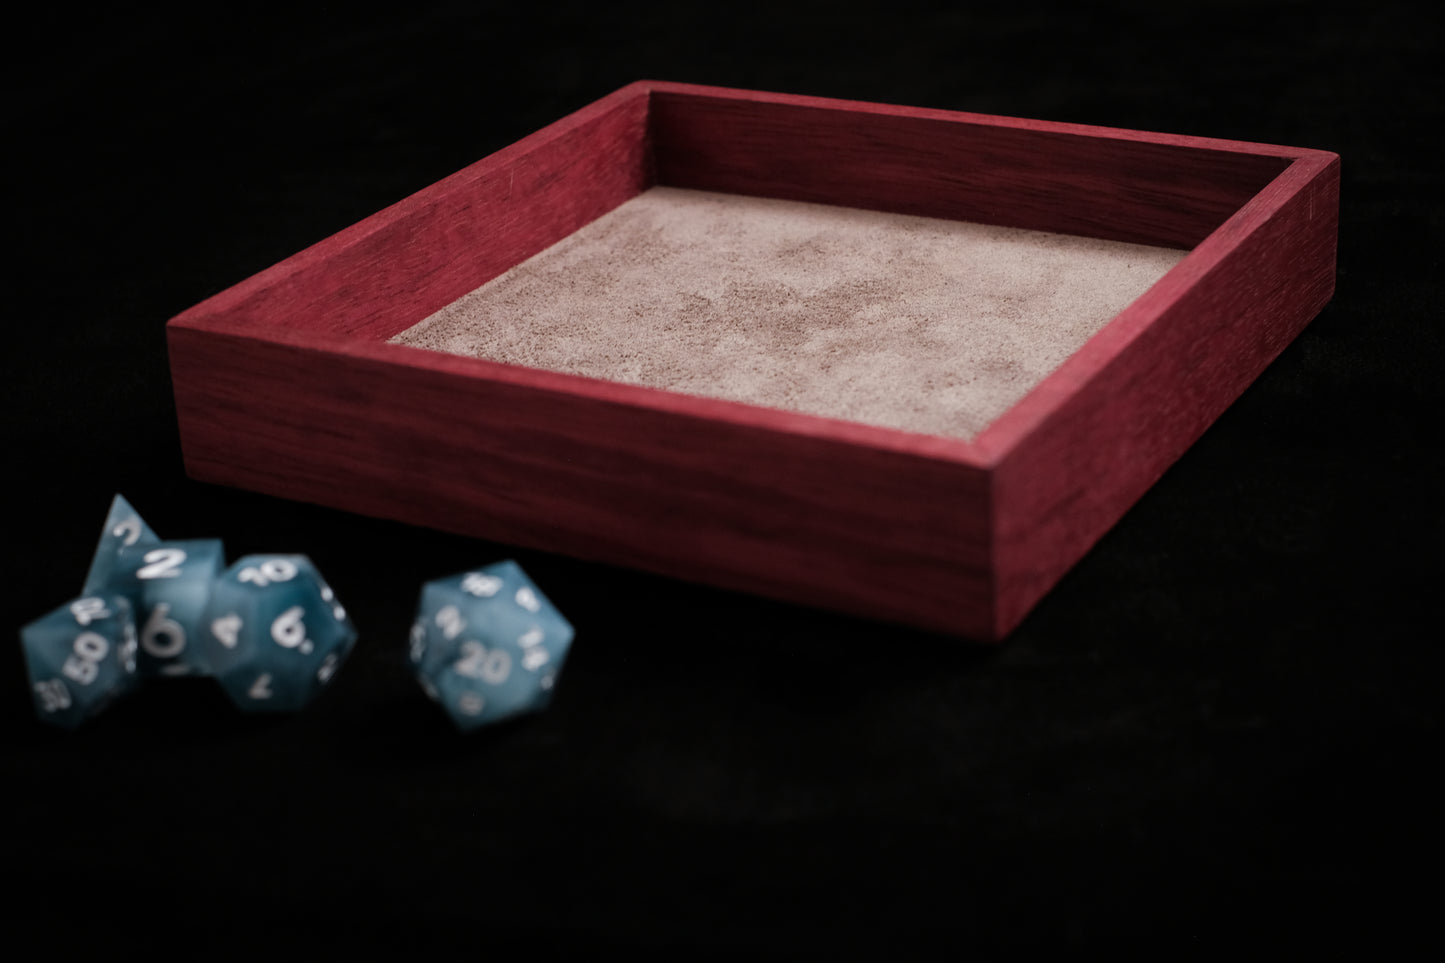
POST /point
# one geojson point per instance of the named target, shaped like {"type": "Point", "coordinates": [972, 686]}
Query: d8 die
{"type": "Point", "coordinates": [80, 657]}
{"type": "Point", "coordinates": [275, 633]}
{"type": "Point", "coordinates": [487, 644]}
{"type": "Point", "coordinates": [168, 585]}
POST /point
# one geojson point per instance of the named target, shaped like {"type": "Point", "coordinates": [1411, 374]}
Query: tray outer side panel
{"type": "Point", "coordinates": [1099, 432]}
{"type": "Point", "coordinates": [816, 520]}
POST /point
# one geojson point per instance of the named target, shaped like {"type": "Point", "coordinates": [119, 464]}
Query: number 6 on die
{"type": "Point", "coordinates": [277, 635]}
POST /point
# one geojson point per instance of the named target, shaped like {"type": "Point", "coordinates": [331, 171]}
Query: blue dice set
{"type": "Point", "coordinates": [486, 645]}
{"type": "Point", "coordinates": [269, 628]}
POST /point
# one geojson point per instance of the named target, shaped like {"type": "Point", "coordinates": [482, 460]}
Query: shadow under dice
{"type": "Point", "coordinates": [80, 657]}
{"type": "Point", "coordinates": [274, 632]}
{"type": "Point", "coordinates": [488, 645]}
{"type": "Point", "coordinates": [168, 585]}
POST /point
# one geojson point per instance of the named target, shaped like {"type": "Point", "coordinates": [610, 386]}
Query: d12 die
{"type": "Point", "coordinates": [124, 528]}
{"type": "Point", "coordinates": [275, 633]}
{"type": "Point", "coordinates": [80, 657]}
{"type": "Point", "coordinates": [168, 585]}
{"type": "Point", "coordinates": [488, 645]}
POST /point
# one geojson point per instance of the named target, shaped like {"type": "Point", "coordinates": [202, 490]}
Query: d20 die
{"type": "Point", "coordinates": [124, 528]}
{"type": "Point", "coordinates": [80, 657]}
{"type": "Point", "coordinates": [168, 585]}
{"type": "Point", "coordinates": [487, 644]}
{"type": "Point", "coordinates": [275, 633]}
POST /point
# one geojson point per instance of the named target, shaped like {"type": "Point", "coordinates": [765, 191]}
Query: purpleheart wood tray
{"type": "Point", "coordinates": [286, 384]}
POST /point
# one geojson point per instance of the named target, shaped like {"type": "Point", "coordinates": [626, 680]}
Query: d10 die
{"type": "Point", "coordinates": [80, 657]}
{"type": "Point", "coordinates": [275, 633]}
{"type": "Point", "coordinates": [124, 528]}
{"type": "Point", "coordinates": [487, 644]}
{"type": "Point", "coordinates": [168, 585]}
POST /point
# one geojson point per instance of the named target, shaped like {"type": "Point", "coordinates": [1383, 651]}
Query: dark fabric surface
{"type": "Point", "coordinates": [1222, 726]}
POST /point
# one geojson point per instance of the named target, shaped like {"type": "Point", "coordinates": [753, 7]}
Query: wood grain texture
{"type": "Point", "coordinates": [284, 384]}
{"type": "Point", "coordinates": [1169, 191]}
{"type": "Point", "coordinates": [804, 518]}
{"type": "Point", "coordinates": [1087, 443]}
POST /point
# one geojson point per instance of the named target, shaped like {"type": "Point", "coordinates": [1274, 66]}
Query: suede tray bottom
{"type": "Point", "coordinates": [921, 324]}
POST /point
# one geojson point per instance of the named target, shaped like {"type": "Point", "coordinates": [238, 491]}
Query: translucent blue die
{"type": "Point", "coordinates": [275, 633]}
{"type": "Point", "coordinates": [80, 657]}
{"type": "Point", "coordinates": [124, 528]}
{"type": "Point", "coordinates": [487, 644]}
{"type": "Point", "coordinates": [166, 583]}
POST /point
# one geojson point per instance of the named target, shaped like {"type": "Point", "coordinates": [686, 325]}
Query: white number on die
{"type": "Point", "coordinates": [80, 670]}
{"type": "Point", "coordinates": [450, 621]}
{"type": "Point", "coordinates": [83, 664]}
{"type": "Point", "coordinates": [261, 688]}
{"type": "Point", "coordinates": [480, 585]}
{"type": "Point", "coordinates": [471, 704]}
{"type": "Point", "coordinates": [289, 631]}
{"type": "Point", "coordinates": [338, 612]}
{"type": "Point", "coordinates": [91, 646]}
{"type": "Point", "coordinates": [53, 694]}
{"type": "Point", "coordinates": [533, 657]}
{"type": "Point", "coordinates": [328, 668]}
{"type": "Point", "coordinates": [162, 563]}
{"type": "Point", "coordinates": [478, 662]}
{"type": "Point", "coordinates": [227, 629]}
{"type": "Point", "coordinates": [89, 610]}
{"type": "Point", "coordinates": [128, 647]}
{"type": "Point", "coordinates": [527, 599]}
{"type": "Point", "coordinates": [271, 570]}
{"type": "Point", "coordinates": [128, 531]}
{"type": "Point", "coordinates": [163, 637]}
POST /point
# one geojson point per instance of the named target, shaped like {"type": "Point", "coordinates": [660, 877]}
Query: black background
{"type": "Point", "coordinates": [1222, 726]}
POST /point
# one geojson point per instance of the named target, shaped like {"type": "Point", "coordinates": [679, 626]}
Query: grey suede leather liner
{"type": "Point", "coordinates": [916, 323]}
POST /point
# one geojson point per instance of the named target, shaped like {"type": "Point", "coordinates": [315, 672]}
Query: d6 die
{"type": "Point", "coordinates": [275, 633]}
{"type": "Point", "coordinates": [487, 644]}
{"type": "Point", "coordinates": [168, 585]}
{"type": "Point", "coordinates": [80, 657]}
